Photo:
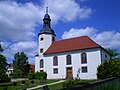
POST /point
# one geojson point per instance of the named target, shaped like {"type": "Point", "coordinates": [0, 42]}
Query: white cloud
{"type": "Point", "coordinates": [29, 47]}
{"type": "Point", "coordinates": [74, 32]}
{"type": "Point", "coordinates": [18, 22]}
{"type": "Point", "coordinates": [108, 39]}
{"type": "Point", "coordinates": [68, 10]}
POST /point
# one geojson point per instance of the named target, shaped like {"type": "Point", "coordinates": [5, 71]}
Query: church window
{"type": "Point", "coordinates": [53, 38]}
{"type": "Point", "coordinates": [55, 70]}
{"type": "Point", "coordinates": [83, 58]}
{"type": "Point", "coordinates": [55, 61]}
{"type": "Point", "coordinates": [84, 70]}
{"type": "Point", "coordinates": [41, 63]}
{"type": "Point", "coordinates": [41, 39]}
{"type": "Point", "coordinates": [41, 50]}
{"type": "Point", "coordinates": [105, 56]}
{"type": "Point", "coordinates": [68, 60]}
{"type": "Point", "coordinates": [41, 70]}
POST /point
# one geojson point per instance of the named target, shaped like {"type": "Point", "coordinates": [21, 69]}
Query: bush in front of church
{"type": "Point", "coordinates": [110, 68]}
{"type": "Point", "coordinates": [40, 75]}
{"type": "Point", "coordinates": [31, 76]}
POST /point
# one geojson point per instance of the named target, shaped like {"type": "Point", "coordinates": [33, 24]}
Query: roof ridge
{"type": "Point", "coordinates": [71, 38]}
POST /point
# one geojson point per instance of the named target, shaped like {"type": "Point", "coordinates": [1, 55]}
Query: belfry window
{"type": "Point", "coordinates": [41, 50]}
{"type": "Point", "coordinates": [53, 38]}
{"type": "Point", "coordinates": [41, 39]}
{"type": "Point", "coordinates": [41, 63]}
{"type": "Point", "coordinates": [83, 58]}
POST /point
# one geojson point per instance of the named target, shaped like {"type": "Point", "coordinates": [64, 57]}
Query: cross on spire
{"type": "Point", "coordinates": [46, 10]}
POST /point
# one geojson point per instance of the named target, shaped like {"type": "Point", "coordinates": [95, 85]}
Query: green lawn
{"type": "Point", "coordinates": [61, 85]}
{"type": "Point", "coordinates": [19, 85]}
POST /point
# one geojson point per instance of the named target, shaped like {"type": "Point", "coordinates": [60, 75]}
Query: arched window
{"type": "Point", "coordinates": [83, 58]}
{"type": "Point", "coordinates": [41, 63]}
{"type": "Point", "coordinates": [68, 60]}
{"type": "Point", "coordinates": [55, 61]}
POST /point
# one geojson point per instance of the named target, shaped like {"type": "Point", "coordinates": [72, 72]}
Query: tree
{"type": "Point", "coordinates": [109, 69]}
{"type": "Point", "coordinates": [114, 53]}
{"type": "Point", "coordinates": [3, 65]}
{"type": "Point", "coordinates": [20, 63]}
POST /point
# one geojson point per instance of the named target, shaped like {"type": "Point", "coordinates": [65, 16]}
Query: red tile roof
{"type": "Point", "coordinates": [78, 43]}
{"type": "Point", "coordinates": [32, 67]}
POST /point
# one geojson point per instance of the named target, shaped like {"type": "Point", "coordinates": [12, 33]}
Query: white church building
{"type": "Point", "coordinates": [69, 58]}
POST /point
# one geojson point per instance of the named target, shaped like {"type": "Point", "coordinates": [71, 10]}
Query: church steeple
{"type": "Point", "coordinates": [46, 25]}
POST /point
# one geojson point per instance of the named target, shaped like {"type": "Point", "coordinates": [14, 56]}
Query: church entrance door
{"type": "Point", "coordinates": [69, 73]}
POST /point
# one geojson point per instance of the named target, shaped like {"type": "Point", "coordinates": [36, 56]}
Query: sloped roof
{"type": "Point", "coordinates": [73, 44]}
{"type": "Point", "coordinates": [32, 67]}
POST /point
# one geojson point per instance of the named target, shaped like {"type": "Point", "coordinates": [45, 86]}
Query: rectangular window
{"type": "Point", "coordinates": [55, 71]}
{"type": "Point", "coordinates": [41, 50]}
{"type": "Point", "coordinates": [84, 70]}
{"type": "Point", "coordinates": [41, 39]}
{"type": "Point", "coordinates": [41, 70]}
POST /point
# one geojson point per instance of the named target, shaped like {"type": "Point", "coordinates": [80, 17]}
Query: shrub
{"type": "Point", "coordinates": [109, 69]}
{"type": "Point", "coordinates": [14, 83]}
{"type": "Point", "coordinates": [23, 82]}
{"type": "Point", "coordinates": [40, 75]}
{"type": "Point", "coordinates": [31, 76]}
{"type": "Point", "coordinates": [32, 82]}
{"type": "Point", "coordinates": [17, 74]}
{"type": "Point", "coordinates": [68, 83]}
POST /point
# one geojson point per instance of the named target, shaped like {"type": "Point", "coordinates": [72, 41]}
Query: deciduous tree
{"type": "Point", "coordinates": [20, 62]}
{"type": "Point", "coordinates": [3, 65]}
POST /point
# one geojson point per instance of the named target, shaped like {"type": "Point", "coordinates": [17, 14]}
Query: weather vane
{"type": "Point", "coordinates": [47, 8]}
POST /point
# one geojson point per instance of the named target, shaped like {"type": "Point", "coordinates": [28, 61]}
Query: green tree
{"type": "Point", "coordinates": [109, 69]}
{"type": "Point", "coordinates": [3, 65]}
{"type": "Point", "coordinates": [21, 63]}
{"type": "Point", "coordinates": [114, 53]}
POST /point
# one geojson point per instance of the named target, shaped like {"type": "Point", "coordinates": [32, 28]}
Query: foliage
{"type": "Point", "coordinates": [17, 74]}
{"type": "Point", "coordinates": [14, 83]}
{"type": "Point", "coordinates": [3, 65]}
{"type": "Point", "coordinates": [23, 82]}
{"type": "Point", "coordinates": [109, 69]}
{"type": "Point", "coordinates": [32, 82]}
{"type": "Point", "coordinates": [1, 49]}
{"type": "Point", "coordinates": [114, 53]}
{"type": "Point", "coordinates": [68, 83]}
{"type": "Point", "coordinates": [40, 75]}
{"type": "Point", "coordinates": [31, 76]}
{"type": "Point", "coordinates": [20, 62]}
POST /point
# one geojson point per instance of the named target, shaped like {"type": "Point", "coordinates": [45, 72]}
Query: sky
{"type": "Point", "coordinates": [22, 20]}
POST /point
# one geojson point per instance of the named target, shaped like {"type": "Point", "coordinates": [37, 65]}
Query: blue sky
{"type": "Point", "coordinates": [21, 21]}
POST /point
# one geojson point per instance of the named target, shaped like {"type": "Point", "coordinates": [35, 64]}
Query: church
{"type": "Point", "coordinates": [74, 58]}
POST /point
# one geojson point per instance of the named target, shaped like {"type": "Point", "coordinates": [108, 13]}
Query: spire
{"type": "Point", "coordinates": [46, 10]}
{"type": "Point", "coordinates": [46, 25]}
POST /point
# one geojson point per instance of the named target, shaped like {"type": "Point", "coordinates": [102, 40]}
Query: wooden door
{"type": "Point", "coordinates": [69, 73]}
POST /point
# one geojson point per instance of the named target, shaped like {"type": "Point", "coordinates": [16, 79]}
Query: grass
{"type": "Point", "coordinates": [19, 85]}
{"type": "Point", "coordinates": [61, 85]}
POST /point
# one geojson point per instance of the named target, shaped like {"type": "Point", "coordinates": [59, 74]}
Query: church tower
{"type": "Point", "coordinates": [46, 35]}
{"type": "Point", "coordinates": [46, 38]}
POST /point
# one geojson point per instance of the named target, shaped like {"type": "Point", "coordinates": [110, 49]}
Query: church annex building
{"type": "Point", "coordinates": [69, 58]}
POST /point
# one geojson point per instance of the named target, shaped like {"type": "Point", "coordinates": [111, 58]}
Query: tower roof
{"type": "Point", "coordinates": [47, 27]}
